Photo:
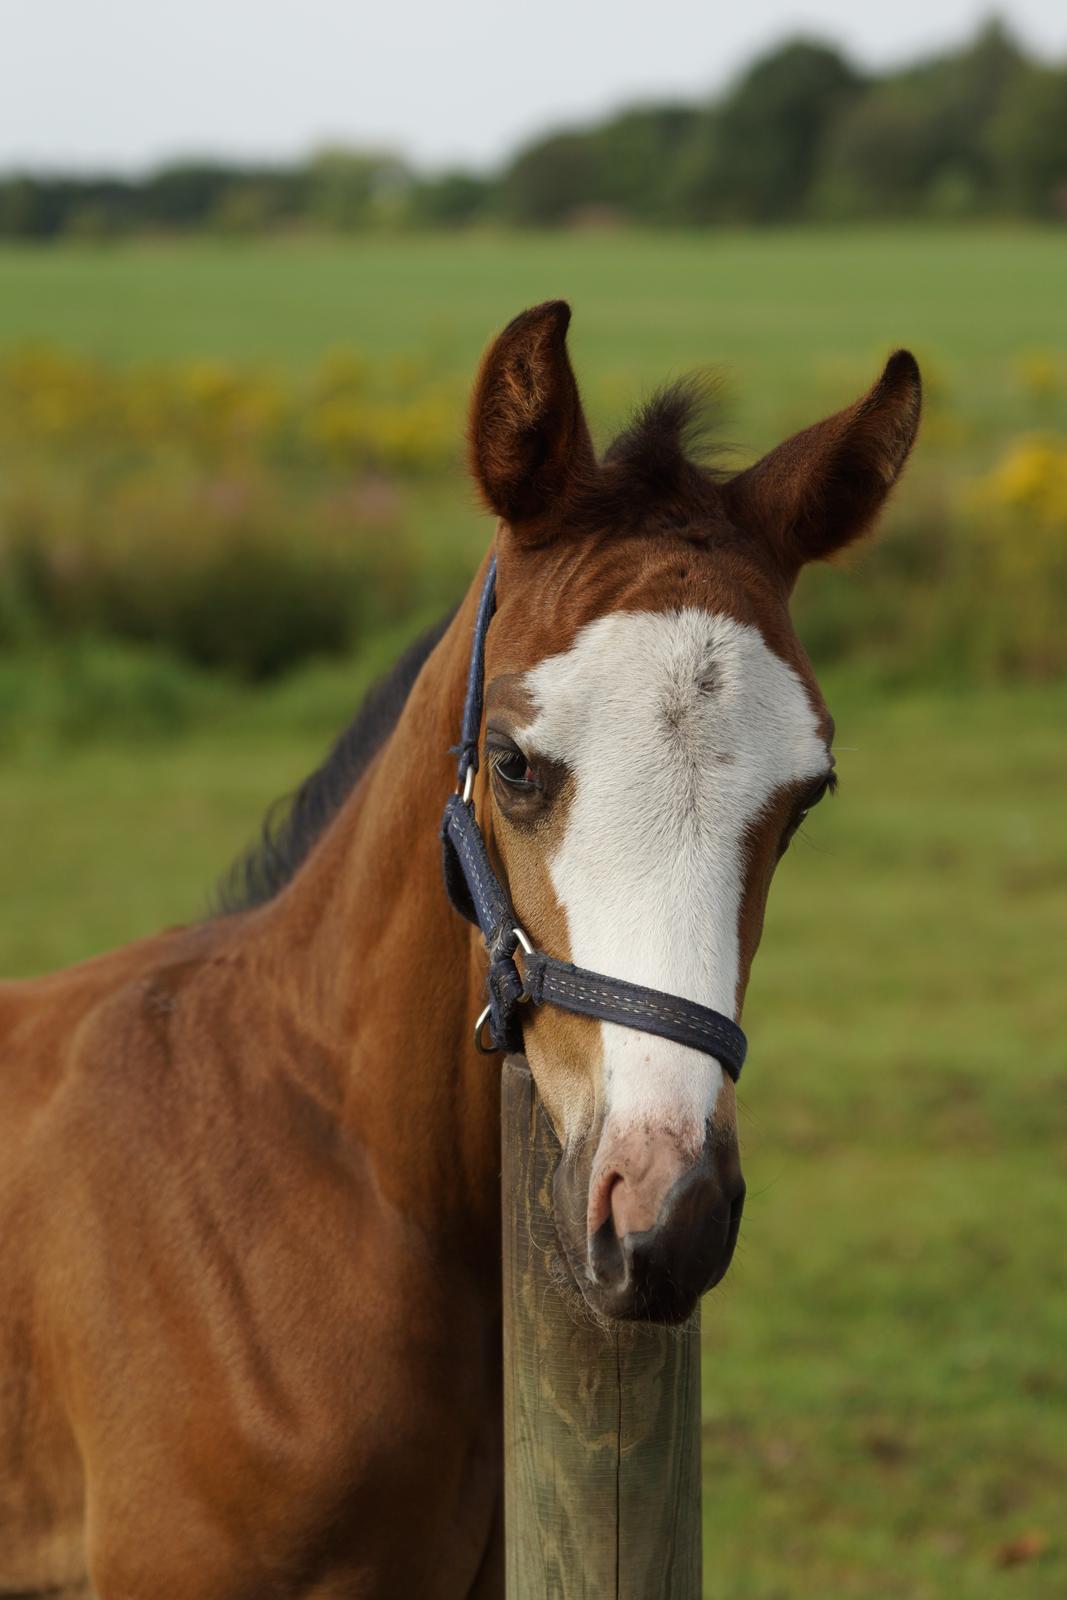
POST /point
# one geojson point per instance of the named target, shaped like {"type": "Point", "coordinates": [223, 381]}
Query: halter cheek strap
{"type": "Point", "coordinates": [477, 893]}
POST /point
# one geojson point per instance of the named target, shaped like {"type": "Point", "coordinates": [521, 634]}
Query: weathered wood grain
{"type": "Point", "coordinates": [601, 1428]}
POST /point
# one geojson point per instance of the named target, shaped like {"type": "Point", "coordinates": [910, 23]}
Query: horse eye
{"type": "Point", "coordinates": [512, 768]}
{"type": "Point", "coordinates": [825, 786]}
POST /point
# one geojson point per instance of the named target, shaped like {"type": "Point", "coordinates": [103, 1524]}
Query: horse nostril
{"type": "Point", "coordinates": [607, 1259]}
{"type": "Point", "coordinates": [658, 1237]}
{"type": "Point", "coordinates": [660, 1270]}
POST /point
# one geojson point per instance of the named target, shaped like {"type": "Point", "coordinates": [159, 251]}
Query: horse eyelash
{"type": "Point", "coordinates": [495, 755]}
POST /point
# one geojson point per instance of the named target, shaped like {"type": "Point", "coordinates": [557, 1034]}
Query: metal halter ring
{"type": "Point", "coordinates": [483, 1049]}
{"type": "Point", "coordinates": [527, 947]}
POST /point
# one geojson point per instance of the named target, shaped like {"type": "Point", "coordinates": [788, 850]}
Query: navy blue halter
{"type": "Point", "coordinates": [476, 891]}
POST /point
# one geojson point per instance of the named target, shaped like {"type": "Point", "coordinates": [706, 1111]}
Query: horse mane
{"type": "Point", "coordinates": [296, 821]}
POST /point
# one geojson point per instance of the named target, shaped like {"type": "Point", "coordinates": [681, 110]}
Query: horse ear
{"type": "Point", "coordinates": [824, 487]}
{"type": "Point", "coordinates": [528, 434]}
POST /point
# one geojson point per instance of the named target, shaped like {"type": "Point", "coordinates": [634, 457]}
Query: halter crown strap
{"type": "Point", "coordinates": [477, 893]}
{"type": "Point", "coordinates": [470, 732]}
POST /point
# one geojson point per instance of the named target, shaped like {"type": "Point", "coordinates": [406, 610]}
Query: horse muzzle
{"type": "Point", "coordinates": [659, 1227]}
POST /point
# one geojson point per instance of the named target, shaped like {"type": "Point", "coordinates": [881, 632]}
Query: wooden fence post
{"type": "Point", "coordinates": [601, 1428]}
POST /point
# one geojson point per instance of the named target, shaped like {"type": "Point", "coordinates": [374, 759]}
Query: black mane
{"type": "Point", "coordinates": [293, 823]}
{"type": "Point", "coordinates": [660, 474]}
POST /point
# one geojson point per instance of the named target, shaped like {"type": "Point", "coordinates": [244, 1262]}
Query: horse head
{"type": "Point", "coordinates": [654, 736]}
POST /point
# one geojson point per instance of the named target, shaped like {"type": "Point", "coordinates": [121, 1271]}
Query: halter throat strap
{"type": "Point", "coordinates": [477, 893]}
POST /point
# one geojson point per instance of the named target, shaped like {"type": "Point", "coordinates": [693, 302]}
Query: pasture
{"type": "Point", "coordinates": [782, 312]}
{"type": "Point", "coordinates": [885, 1377]}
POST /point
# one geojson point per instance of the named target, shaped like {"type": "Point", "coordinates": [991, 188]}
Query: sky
{"type": "Point", "coordinates": [124, 84]}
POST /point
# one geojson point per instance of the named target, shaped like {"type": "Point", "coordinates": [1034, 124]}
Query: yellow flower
{"type": "Point", "coordinates": [1032, 476]}
{"type": "Point", "coordinates": [1040, 374]}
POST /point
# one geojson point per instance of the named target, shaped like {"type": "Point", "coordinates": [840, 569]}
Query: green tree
{"type": "Point", "coordinates": [918, 141]}
{"type": "Point", "coordinates": [623, 165]}
{"type": "Point", "coordinates": [450, 199]}
{"type": "Point", "coordinates": [186, 194]}
{"type": "Point", "coordinates": [636, 154]}
{"type": "Point", "coordinates": [352, 189]}
{"type": "Point", "coordinates": [24, 211]}
{"type": "Point", "coordinates": [550, 180]}
{"type": "Point", "coordinates": [1028, 143]}
{"type": "Point", "coordinates": [756, 160]}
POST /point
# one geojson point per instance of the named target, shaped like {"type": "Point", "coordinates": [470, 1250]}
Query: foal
{"type": "Point", "coordinates": [250, 1323]}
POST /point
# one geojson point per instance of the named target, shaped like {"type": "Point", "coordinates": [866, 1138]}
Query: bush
{"type": "Point", "coordinates": [241, 519]}
{"type": "Point", "coordinates": [348, 413]}
{"type": "Point", "coordinates": [232, 572]}
{"type": "Point", "coordinates": [1019, 570]}
{"type": "Point", "coordinates": [88, 689]}
{"type": "Point", "coordinates": [969, 583]}
{"type": "Point", "coordinates": [243, 522]}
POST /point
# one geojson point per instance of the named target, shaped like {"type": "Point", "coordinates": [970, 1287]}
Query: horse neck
{"type": "Point", "coordinates": [388, 980]}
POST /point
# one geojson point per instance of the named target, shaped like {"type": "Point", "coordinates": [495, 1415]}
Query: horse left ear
{"type": "Point", "coordinates": [529, 442]}
{"type": "Point", "coordinates": [824, 487]}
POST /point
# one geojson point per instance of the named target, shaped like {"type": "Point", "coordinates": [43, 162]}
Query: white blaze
{"type": "Point", "coordinates": [678, 727]}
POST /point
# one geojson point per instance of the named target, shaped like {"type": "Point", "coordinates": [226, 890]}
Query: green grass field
{"type": "Point", "coordinates": [787, 314]}
{"type": "Point", "coordinates": [885, 1375]}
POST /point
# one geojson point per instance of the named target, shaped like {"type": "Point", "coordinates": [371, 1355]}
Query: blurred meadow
{"type": "Point", "coordinates": [231, 487]}
{"type": "Point", "coordinates": [171, 414]}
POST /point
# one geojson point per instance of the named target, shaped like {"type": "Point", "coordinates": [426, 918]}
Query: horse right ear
{"type": "Point", "coordinates": [529, 441]}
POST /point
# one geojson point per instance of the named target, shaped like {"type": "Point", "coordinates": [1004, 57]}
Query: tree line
{"type": "Point", "coordinates": [803, 134]}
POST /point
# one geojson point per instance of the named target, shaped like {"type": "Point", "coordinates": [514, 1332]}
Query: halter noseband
{"type": "Point", "coordinates": [477, 893]}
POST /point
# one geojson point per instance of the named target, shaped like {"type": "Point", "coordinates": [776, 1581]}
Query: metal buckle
{"type": "Point", "coordinates": [526, 945]}
{"type": "Point", "coordinates": [468, 786]}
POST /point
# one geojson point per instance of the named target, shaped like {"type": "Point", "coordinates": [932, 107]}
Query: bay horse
{"type": "Point", "coordinates": [249, 1188]}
